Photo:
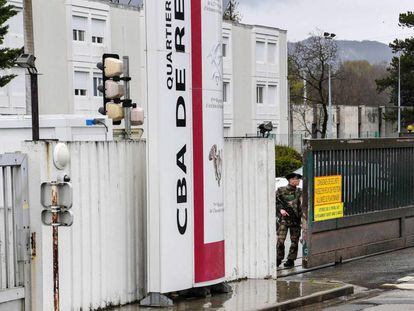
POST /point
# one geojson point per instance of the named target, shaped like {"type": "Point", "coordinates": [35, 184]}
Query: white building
{"type": "Point", "coordinates": [255, 79]}
{"type": "Point", "coordinates": [75, 34]}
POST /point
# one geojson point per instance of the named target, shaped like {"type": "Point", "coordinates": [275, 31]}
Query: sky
{"type": "Point", "coordinates": [375, 20]}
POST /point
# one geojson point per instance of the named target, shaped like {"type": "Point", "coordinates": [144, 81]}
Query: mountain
{"type": "Point", "coordinates": [373, 51]}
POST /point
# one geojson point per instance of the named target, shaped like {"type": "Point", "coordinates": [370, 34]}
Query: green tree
{"type": "Point", "coordinates": [231, 12]}
{"type": "Point", "coordinates": [288, 160]}
{"type": "Point", "coordinates": [403, 48]}
{"type": "Point", "coordinates": [7, 55]}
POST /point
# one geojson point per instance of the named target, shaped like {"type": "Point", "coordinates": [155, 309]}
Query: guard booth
{"type": "Point", "coordinates": [358, 198]}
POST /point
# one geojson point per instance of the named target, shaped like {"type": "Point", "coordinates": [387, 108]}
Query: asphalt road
{"type": "Point", "coordinates": [369, 275]}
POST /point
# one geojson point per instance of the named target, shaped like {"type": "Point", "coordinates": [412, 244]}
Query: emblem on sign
{"type": "Point", "coordinates": [216, 156]}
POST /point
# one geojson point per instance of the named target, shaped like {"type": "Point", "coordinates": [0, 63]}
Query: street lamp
{"type": "Point", "coordinates": [399, 94]}
{"type": "Point", "coordinates": [330, 36]}
{"type": "Point", "coordinates": [28, 61]}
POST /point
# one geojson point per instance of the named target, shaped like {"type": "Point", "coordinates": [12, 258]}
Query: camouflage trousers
{"type": "Point", "coordinates": [282, 231]}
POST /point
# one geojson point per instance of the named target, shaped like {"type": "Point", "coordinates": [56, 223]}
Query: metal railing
{"type": "Point", "coordinates": [377, 174]}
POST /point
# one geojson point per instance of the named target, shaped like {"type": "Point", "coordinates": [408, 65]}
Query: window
{"type": "Point", "coordinates": [260, 51]}
{"type": "Point", "coordinates": [78, 35]}
{"type": "Point", "coordinates": [226, 92]}
{"type": "Point", "coordinates": [80, 92]}
{"type": "Point", "coordinates": [97, 81]}
{"type": "Point", "coordinates": [271, 53]}
{"type": "Point", "coordinates": [260, 94]}
{"type": "Point", "coordinates": [272, 93]}
{"type": "Point", "coordinates": [79, 26]}
{"type": "Point", "coordinates": [80, 83]}
{"type": "Point", "coordinates": [97, 39]}
{"type": "Point", "coordinates": [225, 46]}
{"type": "Point", "coordinates": [98, 30]}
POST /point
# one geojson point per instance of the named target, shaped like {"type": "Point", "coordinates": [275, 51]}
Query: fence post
{"type": "Point", "coordinates": [307, 204]}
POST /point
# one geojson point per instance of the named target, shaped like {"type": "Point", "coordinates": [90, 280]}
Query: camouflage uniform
{"type": "Point", "coordinates": [289, 199]}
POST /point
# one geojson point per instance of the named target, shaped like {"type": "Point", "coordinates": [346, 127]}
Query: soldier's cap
{"type": "Point", "coordinates": [293, 175]}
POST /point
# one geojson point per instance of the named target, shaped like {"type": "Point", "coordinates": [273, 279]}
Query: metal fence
{"type": "Point", "coordinates": [376, 174]}
{"type": "Point", "coordinates": [378, 201]}
{"type": "Point", "coordinates": [14, 233]}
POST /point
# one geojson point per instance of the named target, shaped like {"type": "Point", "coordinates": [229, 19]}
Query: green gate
{"type": "Point", "coordinates": [376, 192]}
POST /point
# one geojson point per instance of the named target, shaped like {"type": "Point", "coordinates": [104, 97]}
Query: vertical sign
{"type": "Point", "coordinates": [185, 243]}
{"type": "Point", "coordinates": [206, 25]}
{"type": "Point", "coordinates": [170, 213]}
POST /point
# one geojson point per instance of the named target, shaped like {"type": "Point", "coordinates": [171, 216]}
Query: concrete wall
{"type": "Point", "coordinates": [350, 122]}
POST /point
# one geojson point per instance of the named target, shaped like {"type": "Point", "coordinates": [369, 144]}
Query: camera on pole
{"type": "Point", "coordinates": [112, 89]}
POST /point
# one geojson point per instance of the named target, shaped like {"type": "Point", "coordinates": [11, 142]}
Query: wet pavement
{"type": "Point", "coordinates": [371, 272]}
{"type": "Point", "coordinates": [386, 283]}
{"type": "Point", "coordinates": [251, 295]}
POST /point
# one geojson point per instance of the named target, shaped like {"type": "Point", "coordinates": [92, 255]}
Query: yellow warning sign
{"type": "Point", "coordinates": [329, 211]}
{"type": "Point", "coordinates": [328, 190]}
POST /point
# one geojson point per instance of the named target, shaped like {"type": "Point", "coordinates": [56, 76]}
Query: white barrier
{"type": "Point", "coordinates": [250, 227]}
{"type": "Point", "coordinates": [102, 256]}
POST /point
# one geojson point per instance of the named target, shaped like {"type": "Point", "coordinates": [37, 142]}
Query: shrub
{"type": "Point", "coordinates": [288, 160]}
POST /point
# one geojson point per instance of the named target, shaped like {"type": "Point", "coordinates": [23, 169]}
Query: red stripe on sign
{"type": "Point", "coordinates": [208, 258]}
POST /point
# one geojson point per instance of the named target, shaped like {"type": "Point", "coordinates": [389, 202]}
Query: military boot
{"type": "Point", "coordinates": [289, 263]}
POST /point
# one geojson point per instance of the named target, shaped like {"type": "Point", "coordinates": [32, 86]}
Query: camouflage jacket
{"type": "Point", "coordinates": [290, 200]}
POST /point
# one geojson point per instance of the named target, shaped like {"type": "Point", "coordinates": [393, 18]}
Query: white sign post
{"type": "Point", "coordinates": [185, 243]}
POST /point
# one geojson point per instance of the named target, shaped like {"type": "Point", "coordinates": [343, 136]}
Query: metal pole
{"type": "Point", "coordinates": [399, 94]}
{"type": "Point", "coordinates": [6, 226]}
{"type": "Point", "coordinates": [55, 237]}
{"type": "Point", "coordinates": [35, 106]}
{"type": "Point", "coordinates": [127, 110]}
{"type": "Point", "coordinates": [330, 116]}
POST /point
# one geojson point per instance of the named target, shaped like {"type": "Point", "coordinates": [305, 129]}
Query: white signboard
{"type": "Point", "coordinates": [185, 143]}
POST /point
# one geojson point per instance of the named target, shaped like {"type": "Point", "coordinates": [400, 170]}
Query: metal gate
{"type": "Point", "coordinates": [377, 181]}
{"type": "Point", "coordinates": [14, 233]}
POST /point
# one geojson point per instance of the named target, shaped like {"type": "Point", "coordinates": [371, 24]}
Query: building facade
{"type": "Point", "coordinates": [254, 79]}
{"type": "Point", "coordinates": [71, 40]}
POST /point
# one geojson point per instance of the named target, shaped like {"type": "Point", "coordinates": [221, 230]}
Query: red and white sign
{"type": "Point", "coordinates": [185, 144]}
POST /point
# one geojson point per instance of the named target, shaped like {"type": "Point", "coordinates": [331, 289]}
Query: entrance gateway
{"type": "Point", "coordinates": [358, 198]}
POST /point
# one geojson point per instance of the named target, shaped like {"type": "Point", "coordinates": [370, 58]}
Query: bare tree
{"type": "Point", "coordinates": [310, 61]}
{"type": "Point", "coordinates": [231, 12]}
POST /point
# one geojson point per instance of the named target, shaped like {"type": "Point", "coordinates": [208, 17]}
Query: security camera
{"type": "Point", "coordinates": [26, 61]}
{"type": "Point", "coordinates": [266, 128]}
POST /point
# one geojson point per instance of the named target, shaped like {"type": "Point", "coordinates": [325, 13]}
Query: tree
{"type": "Point", "coordinates": [288, 160]}
{"type": "Point", "coordinates": [404, 49]}
{"type": "Point", "coordinates": [309, 63]}
{"type": "Point", "coordinates": [231, 12]}
{"type": "Point", "coordinates": [356, 84]}
{"type": "Point", "coordinates": [7, 55]}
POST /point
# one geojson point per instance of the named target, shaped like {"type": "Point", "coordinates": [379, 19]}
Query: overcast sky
{"type": "Point", "coordinates": [349, 19]}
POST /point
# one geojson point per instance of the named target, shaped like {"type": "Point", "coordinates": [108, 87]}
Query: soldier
{"type": "Point", "coordinates": [289, 214]}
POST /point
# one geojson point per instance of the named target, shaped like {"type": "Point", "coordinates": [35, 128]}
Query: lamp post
{"type": "Point", "coordinates": [28, 61]}
{"type": "Point", "coordinates": [399, 94]}
{"type": "Point", "coordinates": [329, 36]}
